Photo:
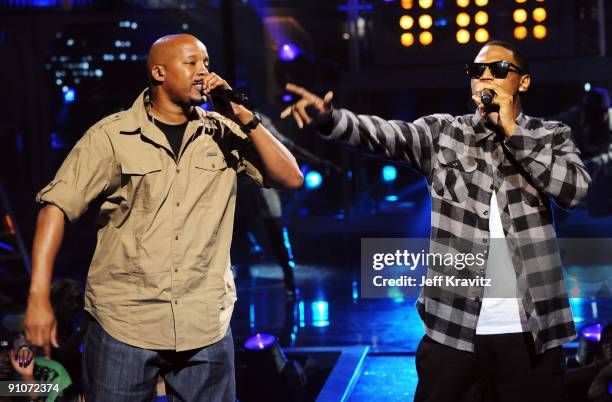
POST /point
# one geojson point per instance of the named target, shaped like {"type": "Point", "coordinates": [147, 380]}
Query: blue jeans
{"type": "Point", "coordinates": [115, 372]}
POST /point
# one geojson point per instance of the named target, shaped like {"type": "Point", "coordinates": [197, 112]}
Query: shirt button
{"type": "Point", "coordinates": [491, 187]}
{"type": "Point", "coordinates": [176, 302]}
{"type": "Point", "coordinates": [477, 299]}
{"type": "Point", "coordinates": [178, 204]}
{"type": "Point", "coordinates": [175, 270]}
{"type": "Point", "coordinates": [178, 171]}
{"type": "Point", "coordinates": [213, 165]}
{"type": "Point", "coordinates": [483, 240]}
{"type": "Point", "coordinates": [486, 213]}
{"type": "Point", "coordinates": [175, 237]}
{"type": "Point", "coordinates": [482, 271]}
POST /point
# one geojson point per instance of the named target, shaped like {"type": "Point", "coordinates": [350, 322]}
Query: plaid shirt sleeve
{"type": "Point", "coordinates": [552, 161]}
{"type": "Point", "coordinates": [400, 141]}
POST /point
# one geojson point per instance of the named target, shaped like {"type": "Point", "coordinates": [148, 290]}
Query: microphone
{"type": "Point", "coordinates": [229, 95]}
{"type": "Point", "coordinates": [486, 96]}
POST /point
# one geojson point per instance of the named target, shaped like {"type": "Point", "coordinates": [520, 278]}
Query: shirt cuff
{"type": "Point", "coordinates": [64, 197]}
{"type": "Point", "coordinates": [325, 126]}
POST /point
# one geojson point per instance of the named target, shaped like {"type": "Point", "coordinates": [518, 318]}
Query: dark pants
{"type": "Point", "coordinates": [115, 372]}
{"type": "Point", "coordinates": [503, 368]}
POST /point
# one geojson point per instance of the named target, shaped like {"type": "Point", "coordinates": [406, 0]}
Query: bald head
{"type": "Point", "coordinates": [176, 66]}
{"type": "Point", "coordinates": [169, 47]}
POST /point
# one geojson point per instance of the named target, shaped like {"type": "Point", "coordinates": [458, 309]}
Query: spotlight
{"type": "Point", "coordinates": [520, 32]}
{"type": "Point", "coordinates": [481, 3]}
{"type": "Point", "coordinates": [592, 338]}
{"type": "Point", "coordinates": [539, 31]}
{"type": "Point", "coordinates": [425, 21]}
{"type": "Point", "coordinates": [463, 3]}
{"type": "Point", "coordinates": [425, 3]}
{"type": "Point", "coordinates": [407, 39]}
{"type": "Point", "coordinates": [539, 14]}
{"type": "Point", "coordinates": [69, 95]}
{"type": "Point", "coordinates": [425, 38]}
{"type": "Point", "coordinates": [313, 180]}
{"type": "Point", "coordinates": [463, 36]}
{"type": "Point", "coordinates": [481, 18]}
{"type": "Point", "coordinates": [481, 35]}
{"type": "Point", "coordinates": [407, 4]}
{"type": "Point", "coordinates": [519, 15]}
{"type": "Point", "coordinates": [389, 173]}
{"type": "Point", "coordinates": [269, 375]}
{"type": "Point", "coordinates": [406, 22]}
{"type": "Point", "coordinates": [463, 19]}
{"type": "Point", "coordinates": [288, 51]}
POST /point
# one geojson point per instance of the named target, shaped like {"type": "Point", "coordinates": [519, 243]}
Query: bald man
{"type": "Point", "coordinates": [159, 292]}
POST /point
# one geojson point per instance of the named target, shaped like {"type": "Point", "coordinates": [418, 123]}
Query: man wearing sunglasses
{"type": "Point", "coordinates": [491, 175]}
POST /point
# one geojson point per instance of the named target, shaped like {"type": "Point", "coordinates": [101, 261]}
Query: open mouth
{"type": "Point", "coordinates": [199, 85]}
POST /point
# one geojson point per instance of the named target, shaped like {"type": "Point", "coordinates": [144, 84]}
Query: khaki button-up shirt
{"type": "Point", "coordinates": [160, 277]}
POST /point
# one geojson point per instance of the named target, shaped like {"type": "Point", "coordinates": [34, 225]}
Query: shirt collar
{"type": "Point", "coordinates": [484, 129]}
{"type": "Point", "coordinates": [137, 119]}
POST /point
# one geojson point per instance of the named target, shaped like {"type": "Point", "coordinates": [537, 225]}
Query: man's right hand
{"type": "Point", "coordinates": [40, 324]}
{"type": "Point", "coordinates": [308, 101]}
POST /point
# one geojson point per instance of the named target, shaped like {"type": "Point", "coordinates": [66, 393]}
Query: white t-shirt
{"type": "Point", "coordinates": [498, 315]}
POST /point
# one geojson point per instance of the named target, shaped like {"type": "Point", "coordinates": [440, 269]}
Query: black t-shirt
{"type": "Point", "coordinates": [174, 134]}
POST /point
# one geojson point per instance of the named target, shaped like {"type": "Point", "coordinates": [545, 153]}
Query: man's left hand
{"type": "Point", "coordinates": [504, 118]}
{"type": "Point", "coordinates": [238, 113]}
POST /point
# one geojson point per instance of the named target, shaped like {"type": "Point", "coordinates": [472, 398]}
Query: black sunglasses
{"type": "Point", "coordinates": [498, 69]}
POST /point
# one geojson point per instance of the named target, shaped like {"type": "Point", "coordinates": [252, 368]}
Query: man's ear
{"type": "Point", "coordinates": [158, 72]}
{"type": "Point", "coordinates": [524, 83]}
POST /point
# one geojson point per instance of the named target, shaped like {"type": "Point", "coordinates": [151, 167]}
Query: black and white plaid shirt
{"type": "Point", "coordinates": [464, 160]}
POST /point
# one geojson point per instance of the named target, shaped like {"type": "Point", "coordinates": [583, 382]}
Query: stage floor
{"type": "Point", "coordinates": [329, 312]}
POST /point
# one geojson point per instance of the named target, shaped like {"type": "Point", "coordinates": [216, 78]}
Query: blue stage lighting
{"type": "Point", "coordinates": [313, 180]}
{"type": "Point", "coordinates": [391, 198]}
{"type": "Point", "coordinates": [389, 173]}
{"type": "Point", "coordinates": [288, 51]}
{"type": "Point", "coordinates": [259, 341]}
{"type": "Point", "coordinates": [69, 95]}
{"type": "Point", "coordinates": [592, 332]}
{"type": "Point", "coordinates": [320, 313]}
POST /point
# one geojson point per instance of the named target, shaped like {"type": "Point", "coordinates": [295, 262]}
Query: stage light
{"type": "Point", "coordinates": [481, 3]}
{"type": "Point", "coordinates": [407, 39]}
{"type": "Point", "coordinates": [481, 18]}
{"type": "Point", "coordinates": [267, 372]}
{"type": "Point", "coordinates": [539, 14]}
{"type": "Point", "coordinates": [463, 3]}
{"type": "Point", "coordinates": [288, 51]}
{"type": "Point", "coordinates": [425, 3]}
{"type": "Point", "coordinates": [481, 35]}
{"type": "Point", "coordinates": [539, 31]}
{"type": "Point", "coordinates": [520, 32]}
{"type": "Point", "coordinates": [425, 21]}
{"type": "Point", "coordinates": [313, 180]}
{"type": "Point", "coordinates": [463, 36]}
{"type": "Point", "coordinates": [407, 4]}
{"type": "Point", "coordinates": [590, 342]}
{"type": "Point", "coordinates": [389, 173]}
{"type": "Point", "coordinates": [69, 95]}
{"type": "Point", "coordinates": [425, 38]}
{"type": "Point", "coordinates": [391, 198]}
{"type": "Point", "coordinates": [521, 1]}
{"type": "Point", "coordinates": [463, 19]}
{"type": "Point", "coordinates": [259, 341]}
{"type": "Point", "coordinates": [519, 15]}
{"type": "Point", "coordinates": [406, 22]}
{"type": "Point", "coordinates": [320, 314]}
{"type": "Point", "coordinates": [587, 87]}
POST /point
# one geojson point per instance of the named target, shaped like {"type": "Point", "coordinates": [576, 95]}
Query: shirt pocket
{"type": "Point", "coordinates": [453, 173]}
{"type": "Point", "coordinates": [211, 164]}
{"type": "Point", "coordinates": [144, 182]}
